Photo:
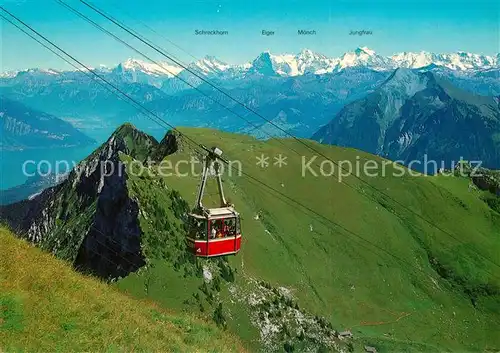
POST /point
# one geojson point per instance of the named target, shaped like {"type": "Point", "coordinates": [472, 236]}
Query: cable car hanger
{"type": "Point", "coordinates": [211, 162]}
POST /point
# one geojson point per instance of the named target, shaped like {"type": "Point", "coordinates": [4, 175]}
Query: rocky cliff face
{"type": "Point", "coordinates": [90, 219]}
{"type": "Point", "coordinates": [484, 179]}
{"type": "Point", "coordinates": [490, 182]}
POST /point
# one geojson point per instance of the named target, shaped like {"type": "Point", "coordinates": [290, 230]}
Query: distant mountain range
{"type": "Point", "coordinates": [23, 127]}
{"type": "Point", "coordinates": [416, 113]}
{"type": "Point", "coordinates": [297, 92]}
{"type": "Point", "coordinates": [299, 104]}
{"type": "Point", "coordinates": [305, 62]}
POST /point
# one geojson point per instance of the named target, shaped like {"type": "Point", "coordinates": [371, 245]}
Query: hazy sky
{"type": "Point", "coordinates": [402, 25]}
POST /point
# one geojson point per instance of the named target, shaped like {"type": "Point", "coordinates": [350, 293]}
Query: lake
{"type": "Point", "coordinates": [16, 166]}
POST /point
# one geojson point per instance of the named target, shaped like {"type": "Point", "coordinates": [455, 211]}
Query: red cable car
{"type": "Point", "coordinates": [214, 231]}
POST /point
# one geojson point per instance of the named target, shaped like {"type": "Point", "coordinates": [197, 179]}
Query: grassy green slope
{"type": "Point", "coordinates": [46, 306]}
{"type": "Point", "coordinates": [405, 285]}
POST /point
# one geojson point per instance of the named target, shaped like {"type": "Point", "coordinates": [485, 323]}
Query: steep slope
{"type": "Point", "coordinates": [46, 306]}
{"type": "Point", "coordinates": [92, 203]}
{"type": "Point", "coordinates": [480, 82]}
{"type": "Point", "coordinates": [267, 65]}
{"type": "Point", "coordinates": [23, 127]}
{"type": "Point", "coordinates": [349, 258]}
{"type": "Point", "coordinates": [413, 115]}
{"type": "Point", "coordinates": [363, 123]}
{"type": "Point", "coordinates": [432, 284]}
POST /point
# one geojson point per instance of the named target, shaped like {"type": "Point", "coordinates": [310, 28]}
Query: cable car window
{"type": "Point", "coordinates": [230, 227]}
{"type": "Point", "coordinates": [237, 225]}
{"type": "Point", "coordinates": [198, 229]}
{"type": "Point", "coordinates": [222, 228]}
{"type": "Point", "coordinates": [217, 229]}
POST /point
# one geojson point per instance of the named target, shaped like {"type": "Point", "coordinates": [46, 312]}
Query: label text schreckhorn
{"type": "Point", "coordinates": [214, 32]}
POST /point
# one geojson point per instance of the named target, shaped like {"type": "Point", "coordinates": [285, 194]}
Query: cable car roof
{"type": "Point", "coordinates": [219, 212]}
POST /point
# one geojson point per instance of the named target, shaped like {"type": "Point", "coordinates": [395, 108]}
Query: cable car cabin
{"type": "Point", "coordinates": [216, 232]}
{"type": "Point", "coordinates": [213, 231]}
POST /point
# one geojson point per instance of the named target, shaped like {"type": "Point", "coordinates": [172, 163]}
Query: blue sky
{"type": "Point", "coordinates": [402, 25]}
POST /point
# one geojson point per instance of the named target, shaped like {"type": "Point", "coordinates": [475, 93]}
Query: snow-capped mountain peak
{"type": "Point", "coordinates": [311, 62]}
{"type": "Point", "coordinates": [285, 64]}
{"type": "Point", "coordinates": [413, 60]}
{"type": "Point", "coordinates": [288, 65]}
{"type": "Point", "coordinates": [34, 72]}
{"type": "Point", "coordinates": [164, 69]}
{"type": "Point", "coordinates": [265, 64]}
{"type": "Point", "coordinates": [309, 55]}
{"type": "Point", "coordinates": [210, 65]}
{"type": "Point", "coordinates": [306, 52]}
{"type": "Point", "coordinates": [363, 56]}
{"type": "Point", "coordinates": [306, 61]}
{"type": "Point", "coordinates": [455, 61]}
{"type": "Point", "coordinates": [364, 50]}
{"type": "Point", "coordinates": [9, 74]}
{"type": "Point", "coordinates": [463, 61]}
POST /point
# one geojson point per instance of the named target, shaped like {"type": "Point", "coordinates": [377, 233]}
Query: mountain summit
{"type": "Point", "coordinates": [413, 114]}
{"type": "Point", "coordinates": [210, 65]}
{"type": "Point", "coordinates": [164, 69]}
{"type": "Point", "coordinates": [95, 196]}
{"type": "Point", "coordinates": [363, 56]}
{"type": "Point", "coordinates": [265, 64]}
